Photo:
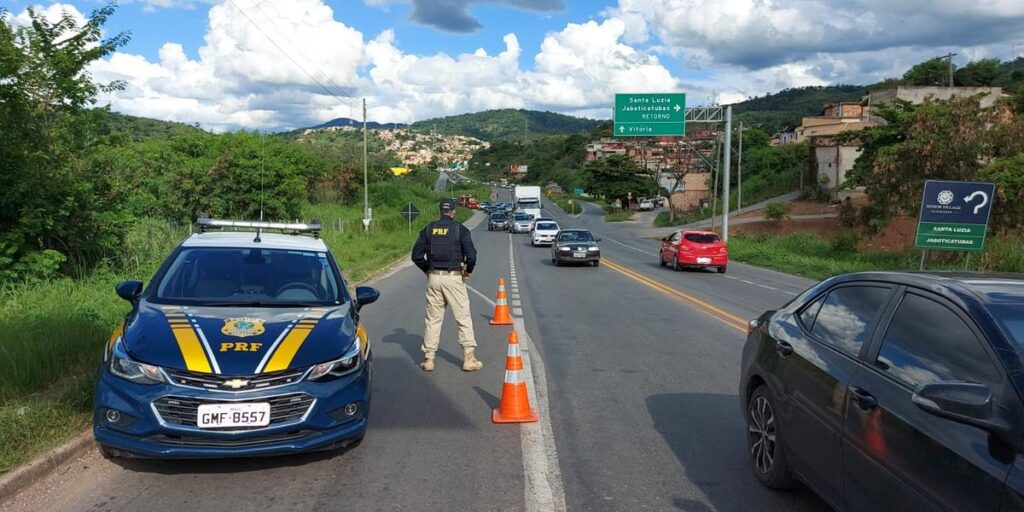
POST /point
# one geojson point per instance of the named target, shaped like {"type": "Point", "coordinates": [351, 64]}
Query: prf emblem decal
{"type": "Point", "coordinates": [243, 327]}
{"type": "Point", "coordinates": [440, 231]}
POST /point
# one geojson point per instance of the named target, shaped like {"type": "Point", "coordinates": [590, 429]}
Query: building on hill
{"type": "Point", "coordinates": [831, 160]}
{"type": "Point", "coordinates": [919, 94]}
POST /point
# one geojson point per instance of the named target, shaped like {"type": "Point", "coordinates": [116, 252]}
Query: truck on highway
{"type": "Point", "coordinates": [527, 199]}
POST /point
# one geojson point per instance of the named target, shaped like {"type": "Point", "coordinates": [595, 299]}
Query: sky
{"type": "Point", "coordinates": [273, 65]}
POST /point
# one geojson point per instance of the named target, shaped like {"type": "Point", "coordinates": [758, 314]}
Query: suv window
{"type": "Point", "coordinates": [846, 315]}
{"type": "Point", "coordinates": [927, 342]}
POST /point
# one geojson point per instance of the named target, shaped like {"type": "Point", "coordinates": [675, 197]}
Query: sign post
{"type": "Point", "coordinates": [954, 215]}
{"type": "Point", "coordinates": [410, 212]}
{"type": "Point", "coordinates": [647, 115]}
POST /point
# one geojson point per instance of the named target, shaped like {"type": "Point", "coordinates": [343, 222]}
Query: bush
{"type": "Point", "coordinates": [776, 211]}
{"type": "Point", "coordinates": [845, 242]}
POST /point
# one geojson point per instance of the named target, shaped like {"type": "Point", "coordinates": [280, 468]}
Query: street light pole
{"type": "Point", "coordinates": [366, 181]}
{"type": "Point", "coordinates": [726, 164]}
{"type": "Point", "coordinates": [739, 172]}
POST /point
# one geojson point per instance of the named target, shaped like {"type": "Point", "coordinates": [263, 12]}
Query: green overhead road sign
{"type": "Point", "coordinates": [648, 115]}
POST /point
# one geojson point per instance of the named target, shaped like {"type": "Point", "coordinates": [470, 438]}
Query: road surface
{"type": "Point", "coordinates": [636, 368]}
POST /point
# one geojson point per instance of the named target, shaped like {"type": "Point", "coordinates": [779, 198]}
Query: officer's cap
{"type": "Point", "coordinates": [447, 205]}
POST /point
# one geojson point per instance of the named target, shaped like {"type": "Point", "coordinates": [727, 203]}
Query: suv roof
{"type": "Point", "coordinates": [245, 240]}
{"type": "Point", "coordinates": [987, 287]}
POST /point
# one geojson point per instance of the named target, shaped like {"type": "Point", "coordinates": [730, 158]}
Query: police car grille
{"type": "Point", "coordinates": [248, 441]}
{"type": "Point", "coordinates": [219, 382]}
{"type": "Point", "coordinates": [176, 410]}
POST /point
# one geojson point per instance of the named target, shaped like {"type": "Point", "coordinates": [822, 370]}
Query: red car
{"type": "Point", "coordinates": [694, 249]}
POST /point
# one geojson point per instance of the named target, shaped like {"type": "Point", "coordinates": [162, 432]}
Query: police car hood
{"type": "Point", "coordinates": [238, 340]}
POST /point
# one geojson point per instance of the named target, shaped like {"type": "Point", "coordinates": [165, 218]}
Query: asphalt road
{"type": "Point", "coordinates": [636, 368]}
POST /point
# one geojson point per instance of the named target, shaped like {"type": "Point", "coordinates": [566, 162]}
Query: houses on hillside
{"type": "Point", "coordinates": [832, 159]}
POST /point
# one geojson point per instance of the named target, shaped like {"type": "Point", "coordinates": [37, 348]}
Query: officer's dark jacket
{"type": "Point", "coordinates": [444, 245]}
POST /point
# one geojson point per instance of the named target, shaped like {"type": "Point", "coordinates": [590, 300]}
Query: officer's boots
{"type": "Point", "coordinates": [470, 363]}
{"type": "Point", "coordinates": [428, 363]}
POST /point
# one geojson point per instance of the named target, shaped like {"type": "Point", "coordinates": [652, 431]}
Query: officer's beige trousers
{"type": "Point", "coordinates": [447, 290]}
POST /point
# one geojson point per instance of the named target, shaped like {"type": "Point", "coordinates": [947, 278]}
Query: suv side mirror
{"type": "Point", "coordinates": [664, 239]}
{"type": "Point", "coordinates": [963, 402]}
{"type": "Point", "coordinates": [366, 295]}
{"type": "Point", "coordinates": [129, 290]}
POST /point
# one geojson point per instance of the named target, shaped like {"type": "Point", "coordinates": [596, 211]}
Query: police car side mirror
{"type": "Point", "coordinates": [366, 295]}
{"type": "Point", "coordinates": [129, 290]}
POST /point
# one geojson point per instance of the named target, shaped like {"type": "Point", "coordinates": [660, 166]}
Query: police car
{"type": "Point", "coordinates": [245, 342]}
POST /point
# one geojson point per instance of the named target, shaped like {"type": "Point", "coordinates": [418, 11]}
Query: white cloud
{"type": "Point", "coordinates": [52, 13]}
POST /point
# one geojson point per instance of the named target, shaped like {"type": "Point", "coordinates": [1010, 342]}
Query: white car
{"type": "Point", "coordinates": [544, 233]}
{"type": "Point", "coordinates": [646, 205]}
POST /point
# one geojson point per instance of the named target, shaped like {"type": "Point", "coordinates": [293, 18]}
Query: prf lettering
{"type": "Point", "coordinates": [240, 347]}
{"type": "Point", "coordinates": [440, 231]}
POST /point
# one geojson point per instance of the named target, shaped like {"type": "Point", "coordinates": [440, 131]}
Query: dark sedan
{"type": "Point", "coordinates": [497, 222]}
{"type": "Point", "coordinates": [575, 246]}
{"type": "Point", "coordinates": [892, 391]}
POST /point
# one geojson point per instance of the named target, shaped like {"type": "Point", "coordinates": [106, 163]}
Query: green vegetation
{"type": "Point", "coordinates": [506, 124]}
{"type": "Point", "coordinates": [555, 158]}
{"type": "Point", "coordinates": [776, 211]}
{"type": "Point", "coordinates": [619, 216]}
{"type": "Point", "coordinates": [916, 146]}
{"type": "Point", "coordinates": [616, 177]}
{"type": "Point", "coordinates": [664, 220]}
{"type": "Point", "coordinates": [811, 256]}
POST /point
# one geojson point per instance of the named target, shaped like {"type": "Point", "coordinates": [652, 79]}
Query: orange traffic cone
{"type": "Point", "coordinates": [515, 402]}
{"type": "Point", "coordinates": [501, 312]}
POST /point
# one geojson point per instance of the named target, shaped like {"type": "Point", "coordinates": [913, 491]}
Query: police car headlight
{"type": "Point", "coordinates": [139, 373]}
{"type": "Point", "coordinates": [348, 363]}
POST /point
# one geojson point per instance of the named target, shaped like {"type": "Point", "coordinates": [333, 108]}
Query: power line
{"type": "Point", "coordinates": [283, 52]}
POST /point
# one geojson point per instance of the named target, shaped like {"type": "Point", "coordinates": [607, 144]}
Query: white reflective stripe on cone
{"type": "Point", "coordinates": [514, 377]}
{"type": "Point", "coordinates": [513, 350]}
{"type": "Point", "coordinates": [501, 302]}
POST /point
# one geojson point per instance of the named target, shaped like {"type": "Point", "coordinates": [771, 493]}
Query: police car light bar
{"type": "Point", "coordinates": [314, 227]}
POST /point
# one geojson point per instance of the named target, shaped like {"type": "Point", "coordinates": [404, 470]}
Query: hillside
{"type": "Point", "coordinates": [785, 108]}
{"type": "Point", "coordinates": [506, 124]}
{"type": "Point", "coordinates": [142, 128]}
{"type": "Point", "coordinates": [344, 121]}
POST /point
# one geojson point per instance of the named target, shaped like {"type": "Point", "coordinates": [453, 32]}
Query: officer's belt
{"type": "Point", "coordinates": [445, 272]}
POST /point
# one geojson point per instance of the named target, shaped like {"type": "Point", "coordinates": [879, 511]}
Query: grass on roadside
{"type": "Point", "coordinates": [809, 255]}
{"type": "Point", "coordinates": [619, 216]}
{"type": "Point", "coordinates": [54, 330]}
{"type": "Point", "coordinates": [563, 203]}
{"type": "Point", "coordinates": [662, 219]}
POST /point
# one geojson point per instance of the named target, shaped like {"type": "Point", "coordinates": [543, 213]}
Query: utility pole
{"type": "Point", "coordinates": [950, 56]}
{"type": "Point", "coordinates": [726, 164]}
{"type": "Point", "coordinates": [739, 172]}
{"type": "Point", "coordinates": [366, 181]}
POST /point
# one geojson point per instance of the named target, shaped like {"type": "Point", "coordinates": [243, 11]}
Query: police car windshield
{"type": "Point", "coordinates": [252, 276]}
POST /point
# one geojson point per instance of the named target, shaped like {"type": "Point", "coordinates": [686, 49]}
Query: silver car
{"type": "Point", "coordinates": [521, 223]}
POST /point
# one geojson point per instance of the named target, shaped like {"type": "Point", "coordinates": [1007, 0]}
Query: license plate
{"type": "Point", "coordinates": [579, 255]}
{"type": "Point", "coordinates": [233, 415]}
{"type": "Point", "coordinates": [704, 261]}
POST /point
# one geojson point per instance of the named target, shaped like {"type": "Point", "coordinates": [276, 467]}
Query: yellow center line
{"type": "Point", "coordinates": [717, 313]}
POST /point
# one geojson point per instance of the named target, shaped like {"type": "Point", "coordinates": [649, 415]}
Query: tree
{"type": "Point", "coordinates": [950, 140]}
{"type": "Point", "coordinates": [53, 204]}
{"type": "Point", "coordinates": [616, 177]}
{"type": "Point", "coordinates": [930, 72]}
{"type": "Point", "coordinates": [978, 73]}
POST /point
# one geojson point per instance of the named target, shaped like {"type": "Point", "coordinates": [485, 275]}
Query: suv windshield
{"type": "Point", "coordinates": [257, 276]}
{"type": "Point", "coordinates": [1012, 317]}
{"type": "Point", "coordinates": [701, 238]}
{"type": "Point", "coordinates": [575, 236]}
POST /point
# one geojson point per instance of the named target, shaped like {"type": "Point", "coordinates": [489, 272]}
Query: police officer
{"type": "Point", "coordinates": [445, 252]}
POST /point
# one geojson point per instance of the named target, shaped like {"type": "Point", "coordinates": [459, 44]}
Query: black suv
{"type": "Point", "coordinates": [892, 391]}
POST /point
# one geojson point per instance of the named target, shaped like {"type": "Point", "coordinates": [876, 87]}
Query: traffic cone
{"type": "Point", "coordinates": [515, 402]}
{"type": "Point", "coordinates": [502, 316]}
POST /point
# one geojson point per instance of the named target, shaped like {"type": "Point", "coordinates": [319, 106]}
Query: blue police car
{"type": "Point", "coordinates": [246, 342]}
